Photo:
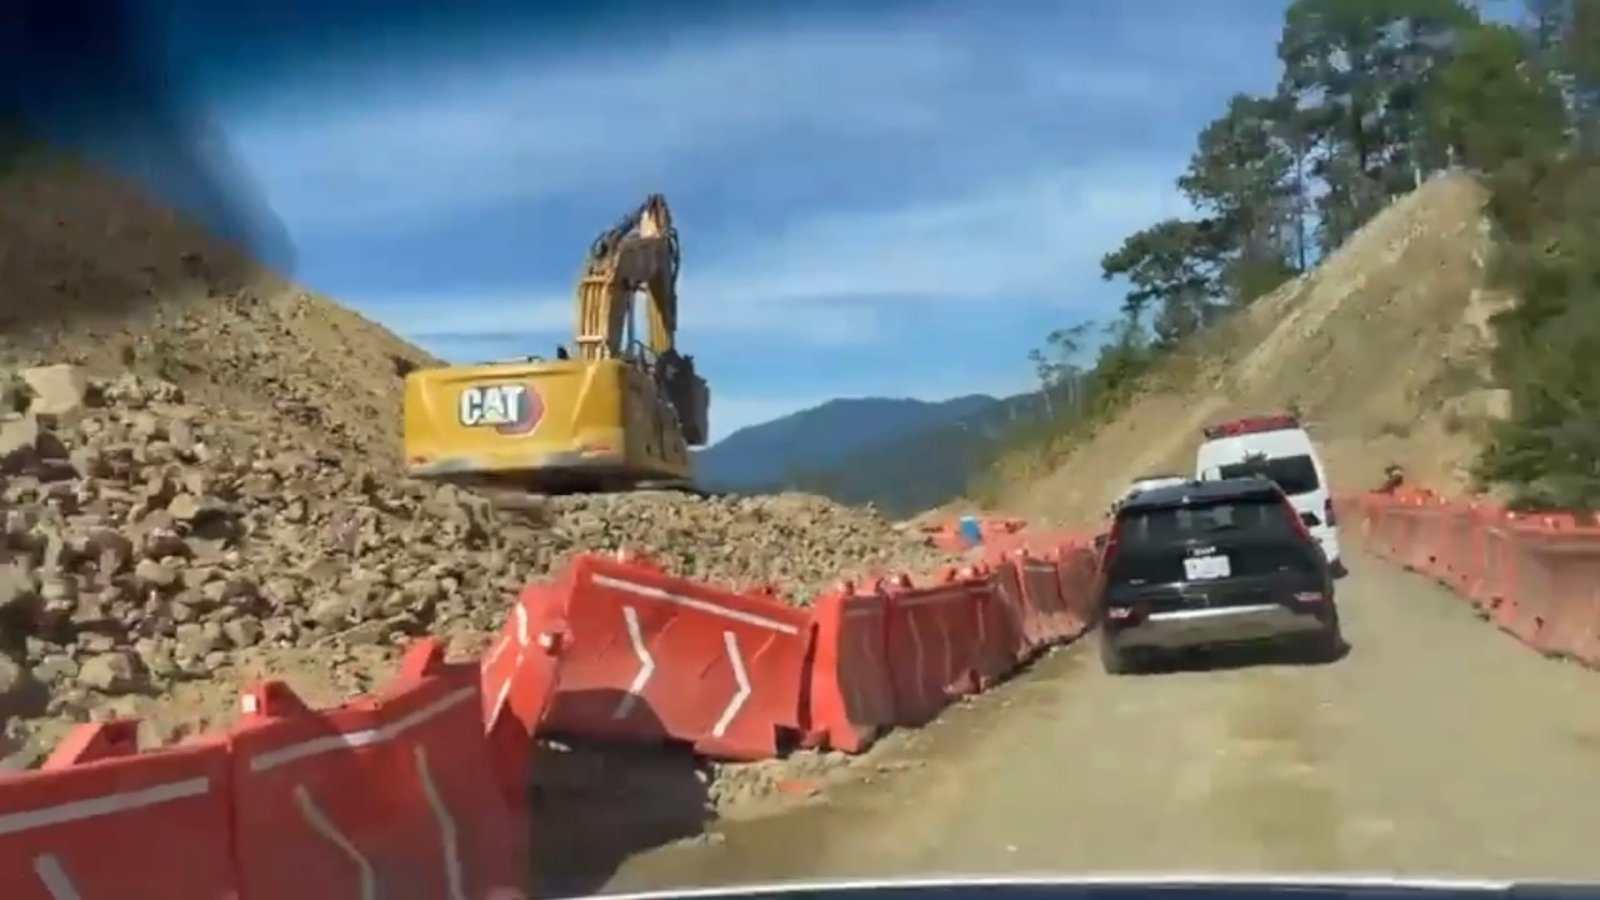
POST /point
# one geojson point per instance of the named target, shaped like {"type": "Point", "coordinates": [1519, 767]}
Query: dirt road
{"type": "Point", "coordinates": [1437, 746]}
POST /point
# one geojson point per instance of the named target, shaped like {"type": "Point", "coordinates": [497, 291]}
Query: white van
{"type": "Point", "coordinates": [1277, 447]}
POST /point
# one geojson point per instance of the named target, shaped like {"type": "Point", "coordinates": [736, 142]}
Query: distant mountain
{"type": "Point", "coordinates": [922, 468]}
{"type": "Point", "coordinates": [821, 438]}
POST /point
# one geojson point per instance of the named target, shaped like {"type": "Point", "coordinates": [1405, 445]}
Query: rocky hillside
{"type": "Point", "coordinates": [93, 273]}
{"type": "Point", "coordinates": [201, 488]}
{"type": "Point", "coordinates": [1381, 348]}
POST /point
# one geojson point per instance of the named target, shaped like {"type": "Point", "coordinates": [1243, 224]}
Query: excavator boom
{"type": "Point", "coordinates": [639, 253]}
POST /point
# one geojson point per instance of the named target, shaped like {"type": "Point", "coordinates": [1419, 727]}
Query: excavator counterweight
{"type": "Point", "coordinates": [610, 414]}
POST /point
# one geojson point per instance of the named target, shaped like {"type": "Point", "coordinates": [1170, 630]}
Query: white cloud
{"type": "Point", "coordinates": [467, 316]}
{"type": "Point", "coordinates": [413, 145]}
{"type": "Point", "coordinates": [460, 136]}
{"type": "Point", "coordinates": [1009, 206]}
{"type": "Point", "coordinates": [1022, 240]}
{"type": "Point", "coordinates": [821, 279]}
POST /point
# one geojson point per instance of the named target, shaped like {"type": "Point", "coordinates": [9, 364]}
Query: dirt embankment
{"type": "Point", "coordinates": [1382, 348]}
{"type": "Point", "coordinates": [95, 274]}
{"type": "Point", "coordinates": [210, 492]}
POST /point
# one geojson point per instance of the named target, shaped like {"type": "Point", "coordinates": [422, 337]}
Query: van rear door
{"type": "Point", "coordinates": [1296, 475]}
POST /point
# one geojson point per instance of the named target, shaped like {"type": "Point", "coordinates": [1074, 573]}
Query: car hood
{"type": "Point", "coordinates": [1167, 887]}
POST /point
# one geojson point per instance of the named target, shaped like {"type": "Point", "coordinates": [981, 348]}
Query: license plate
{"type": "Point", "coordinates": [1202, 568]}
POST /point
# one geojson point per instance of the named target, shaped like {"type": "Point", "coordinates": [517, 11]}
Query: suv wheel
{"type": "Point", "coordinates": [1116, 660]}
{"type": "Point", "coordinates": [1328, 643]}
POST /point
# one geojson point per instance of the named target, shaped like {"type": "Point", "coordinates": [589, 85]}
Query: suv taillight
{"type": "Point", "coordinates": [1294, 519]}
{"type": "Point", "coordinates": [1327, 513]}
{"type": "Point", "coordinates": [1112, 539]}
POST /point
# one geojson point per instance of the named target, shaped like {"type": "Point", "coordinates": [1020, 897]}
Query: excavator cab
{"type": "Point", "coordinates": [608, 414]}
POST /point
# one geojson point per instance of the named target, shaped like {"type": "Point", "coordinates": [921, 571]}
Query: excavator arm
{"type": "Point", "coordinates": [641, 253]}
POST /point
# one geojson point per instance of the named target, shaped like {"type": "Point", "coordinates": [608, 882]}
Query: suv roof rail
{"type": "Point", "coordinates": [1201, 492]}
{"type": "Point", "coordinates": [1252, 425]}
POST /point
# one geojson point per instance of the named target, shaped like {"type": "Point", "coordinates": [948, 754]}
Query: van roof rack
{"type": "Point", "coordinates": [1252, 425]}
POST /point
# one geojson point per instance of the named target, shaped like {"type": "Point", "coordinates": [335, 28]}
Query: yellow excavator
{"type": "Point", "coordinates": [608, 414]}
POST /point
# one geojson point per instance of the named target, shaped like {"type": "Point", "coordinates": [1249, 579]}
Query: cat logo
{"type": "Point", "coordinates": [510, 409]}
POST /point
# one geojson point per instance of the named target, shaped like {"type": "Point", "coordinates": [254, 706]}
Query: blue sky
{"type": "Point", "coordinates": [875, 199]}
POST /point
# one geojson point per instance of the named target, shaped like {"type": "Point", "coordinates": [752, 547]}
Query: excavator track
{"type": "Point", "coordinates": [513, 499]}
{"type": "Point", "coordinates": [681, 487]}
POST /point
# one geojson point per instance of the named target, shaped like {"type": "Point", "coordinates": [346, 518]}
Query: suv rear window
{"type": "Point", "coordinates": [1257, 533]}
{"type": "Point", "coordinates": [1294, 474]}
{"type": "Point", "coordinates": [1176, 524]}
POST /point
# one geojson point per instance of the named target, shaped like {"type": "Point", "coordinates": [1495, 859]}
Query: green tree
{"type": "Point", "coordinates": [1060, 371]}
{"type": "Point", "coordinates": [1546, 204]}
{"type": "Point", "coordinates": [1124, 356]}
{"type": "Point", "coordinates": [1491, 106]}
{"type": "Point", "coordinates": [1242, 174]}
{"type": "Point", "coordinates": [1546, 23]}
{"type": "Point", "coordinates": [1298, 138]}
{"type": "Point", "coordinates": [1579, 59]}
{"type": "Point", "coordinates": [1561, 35]}
{"type": "Point", "coordinates": [1172, 269]}
{"type": "Point", "coordinates": [1549, 450]}
{"type": "Point", "coordinates": [1357, 71]}
{"type": "Point", "coordinates": [1375, 96]}
{"type": "Point", "coordinates": [1057, 360]}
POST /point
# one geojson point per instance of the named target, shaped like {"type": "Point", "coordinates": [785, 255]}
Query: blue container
{"type": "Point", "coordinates": [971, 530]}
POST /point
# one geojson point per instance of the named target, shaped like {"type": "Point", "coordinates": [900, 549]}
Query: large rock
{"type": "Point", "coordinates": [57, 390]}
{"type": "Point", "coordinates": [20, 693]}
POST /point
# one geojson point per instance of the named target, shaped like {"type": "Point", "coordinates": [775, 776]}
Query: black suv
{"type": "Point", "coordinates": [1212, 563]}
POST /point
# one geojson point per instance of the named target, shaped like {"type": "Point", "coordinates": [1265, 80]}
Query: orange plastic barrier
{"type": "Point", "coordinates": [1489, 577]}
{"type": "Point", "coordinates": [653, 657]}
{"type": "Point", "coordinates": [1077, 573]}
{"type": "Point", "coordinates": [897, 654]}
{"type": "Point", "coordinates": [935, 643]}
{"type": "Point", "coordinates": [518, 677]}
{"type": "Point", "coordinates": [1555, 605]}
{"type": "Point", "coordinates": [1042, 585]}
{"type": "Point", "coordinates": [102, 820]}
{"type": "Point", "coordinates": [996, 535]}
{"type": "Point", "coordinates": [389, 796]}
{"type": "Point", "coordinates": [1533, 576]}
{"type": "Point", "coordinates": [1004, 618]}
{"type": "Point", "coordinates": [385, 797]}
{"type": "Point", "coordinates": [405, 793]}
{"type": "Point", "coordinates": [1030, 631]}
{"type": "Point", "coordinates": [1036, 543]}
{"type": "Point", "coordinates": [851, 693]}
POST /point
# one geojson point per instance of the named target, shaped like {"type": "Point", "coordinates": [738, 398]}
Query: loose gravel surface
{"type": "Point", "coordinates": [1437, 746]}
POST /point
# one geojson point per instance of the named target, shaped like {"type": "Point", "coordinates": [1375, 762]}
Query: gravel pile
{"type": "Point", "coordinates": [798, 543]}
{"type": "Point", "coordinates": [152, 543]}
